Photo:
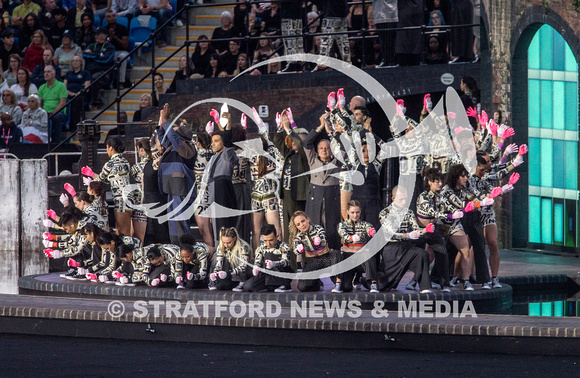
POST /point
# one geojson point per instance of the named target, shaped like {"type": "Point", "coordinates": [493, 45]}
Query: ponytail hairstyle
{"type": "Point", "coordinates": [231, 232]}
{"type": "Point", "coordinates": [71, 214]}
{"type": "Point", "coordinates": [116, 143]}
{"type": "Point", "coordinates": [86, 197]}
{"type": "Point", "coordinates": [99, 190]}
{"type": "Point", "coordinates": [145, 144]}
{"type": "Point", "coordinates": [153, 253]}
{"type": "Point", "coordinates": [186, 242]}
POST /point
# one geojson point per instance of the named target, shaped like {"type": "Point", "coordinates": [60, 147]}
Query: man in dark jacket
{"type": "Point", "coordinates": [100, 57]}
{"type": "Point", "coordinates": [175, 174]}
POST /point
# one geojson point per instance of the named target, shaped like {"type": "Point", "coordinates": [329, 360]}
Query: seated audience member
{"type": "Point", "coordinates": [31, 24]}
{"type": "Point", "coordinates": [74, 16]}
{"type": "Point", "coordinates": [161, 10]}
{"type": "Point", "coordinates": [77, 80]}
{"type": "Point", "coordinates": [35, 122]}
{"type": "Point", "coordinates": [230, 58]}
{"type": "Point", "coordinates": [21, 11]}
{"type": "Point", "coordinates": [3, 83]}
{"type": "Point", "coordinates": [86, 34]}
{"type": "Point", "coordinates": [145, 102]}
{"type": "Point", "coordinates": [99, 57]}
{"type": "Point", "coordinates": [227, 30]}
{"type": "Point", "coordinates": [435, 53]}
{"type": "Point", "coordinates": [119, 37]}
{"type": "Point", "coordinates": [159, 88]}
{"type": "Point", "coordinates": [37, 77]}
{"type": "Point", "coordinates": [11, 74]}
{"type": "Point", "coordinates": [274, 67]}
{"type": "Point", "coordinates": [11, 134]}
{"type": "Point", "coordinates": [33, 55]}
{"type": "Point", "coordinates": [263, 52]}
{"type": "Point", "coordinates": [200, 56]}
{"type": "Point", "coordinates": [124, 8]}
{"type": "Point", "coordinates": [53, 96]}
{"type": "Point", "coordinates": [101, 7]}
{"type": "Point", "coordinates": [182, 73]}
{"type": "Point", "coordinates": [10, 106]}
{"type": "Point", "coordinates": [58, 28]}
{"type": "Point", "coordinates": [7, 48]}
{"type": "Point", "coordinates": [64, 54]}
{"type": "Point", "coordinates": [23, 88]}
{"type": "Point", "coordinates": [214, 68]}
{"type": "Point", "coordinates": [46, 15]}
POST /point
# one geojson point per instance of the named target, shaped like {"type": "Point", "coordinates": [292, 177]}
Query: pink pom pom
{"type": "Point", "coordinates": [216, 116]}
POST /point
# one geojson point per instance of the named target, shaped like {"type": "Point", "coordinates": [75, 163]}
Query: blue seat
{"type": "Point", "coordinates": [141, 33]}
{"type": "Point", "coordinates": [123, 21]}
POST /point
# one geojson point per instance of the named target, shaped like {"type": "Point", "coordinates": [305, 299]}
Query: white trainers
{"type": "Point", "coordinates": [337, 288]}
{"type": "Point", "coordinates": [486, 286]}
{"type": "Point", "coordinates": [467, 286]}
{"type": "Point", "coordinates": [426, 291]}
{"type": "Point", "coordinates": [446, 289]}
{"type": "Point", "coordinates": [180, 287]}
{"type": "Point", "coordinates": [454, 281]}
{"type": "Point", "coordinates": [179, 23]}
{"type": "Point", "coordinates": [212, 285]}
{"type": "Point", "coordinates": [283, 289]}
{"type": "Point", "coordinates": [239, 288]}
{"type": "Point", "coordinates": [495, 283]}
{"type": "Point", "coordinates": [411, 285]}
{"type": "Point", "coordinates": [374, 288]}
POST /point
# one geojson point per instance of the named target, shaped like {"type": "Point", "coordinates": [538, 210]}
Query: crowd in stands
{"type": "Point", "coordinates": [60, 37]}
{"type": "Point", "coordinates": [361, 43]}
{"type": "Point", "coordinates": [307, 210]}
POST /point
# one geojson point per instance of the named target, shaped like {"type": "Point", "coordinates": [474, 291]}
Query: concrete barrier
{"type": "Point", "coordinates": [23, 199]}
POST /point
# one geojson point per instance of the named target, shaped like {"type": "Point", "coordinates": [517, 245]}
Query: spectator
{"type": "Point", "coordinates": [264, 51]}
{"type": "Point", "coordinates": [313, 25]}
{"type": "Point", "coordinates": [99, 57]}
{"type": "Point", "coordinates": [226, 31]}
{"type": "Point", "coordinates": [85, 35]}
{"type": "Point", "coordinates": [77, 80]}
{"type": "Point", "coordinates": [145, 102]}
{"type": "Point", "coordinates": [444, 6]}
{"type": "Point", "coordinates": [121, 123]}
{"type": "Point", "coordinates": [64, 54]}
{"type": "Point", "coordinates": [52, 96]}
{"type": "Point", "coordinates": [230, 59]}
{"type": "Point", "coordinates": [67, 4]}
{"type": "Point", "coordinates": [21, 11]}
{"type": "Point", "coordinates": [242, 64]}
{"type": "Point", "coordinates": [462, 38]}
{"type": "Point", "coordinates": [119, 37]}
{"type": "Point", "coordinates": [124, 8]}
{"type": "Point", "coordinates": [11, 134]}
{"type": "Point", "coordinates": [10, 106]}
{"type": "Point", "coordinates": [272, 20]}
{"type": "Point", "coordinates": [408, 46]}
{"type": "Point", "coordinates": [35, 122]}
{"type": "Point", "coordinates": [274, 67]}
{"type": "Point", "coordinates": [161, 10]}
{"type": "Point", "coordinates": [182, 73]}
{"type": "Point", "coordinates": [435, 53]}
{"type": "Point", "coordinates": [436, 19]}
{"type": "Point", "coordinates": [358, 16]}
{"type": "Point", "coordinates": [101, 7]}
{"type": "Point", "coordinates": [200, 56]}
{"type": "Point", "coordinates": [159, 88]}
{"type": "Point", "coordinates": [23, 88]}
{"type": "Point", "coordinates": [214, 68]}
{"type": "Point", "coordinates": [252, 29]}
{"type": "Point", "coordinates": [386, 15]}
{"type": "Point", "coordinates": [291, 25]}
{"type": "Point", "coordinates": [7, 48]}
{"type": "Point", "coordinates": [75, 14]}
{"type": "Point", "coordinates": [37, 77]}
{"type": "Point", "coordinates": [31, 24]}
{"type": "Point", "coordinates": [33, 56]}
{"type": "Point", "coordinates": [11, 74]}
{"type": "Point", "coordinates": [46, 15]}
{"type": "Point", "coordinates": [58, 28]}
{"type": "Point", "coordinates": [3, 26]}
{"type": "Point", "coordinates": [241, 12]}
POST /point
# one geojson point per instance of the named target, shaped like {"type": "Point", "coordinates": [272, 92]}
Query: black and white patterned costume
{"type": "Point", "coordinates": [116, 173]}
{"type": "Point", "coordinates": [198, 265]}
{"type": "Point", "coordinates": [279, 255]}
{"type": "Point", "coordinates": [202, 198]}
{"type": "Point", "coordinates": [137, 174]}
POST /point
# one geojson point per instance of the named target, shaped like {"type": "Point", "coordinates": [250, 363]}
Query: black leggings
{"type": "Point", "coordinates": [314, 263]}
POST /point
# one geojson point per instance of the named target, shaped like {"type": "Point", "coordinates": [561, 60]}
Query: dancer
{"type": "Point", "coordinates": [230, 270]}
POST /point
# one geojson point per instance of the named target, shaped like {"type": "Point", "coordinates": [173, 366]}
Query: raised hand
{"type": "Point", "coordinates": [87, 181]}
{"type": "Point", "coordinates": [514, 178]}
{"type": "Point", "coordinates": [69, 188]}
{"type": "Point", "coordinates": [87, 171]}
{"type": "Point", "coordinates": [63, 199]}
{"type": "Point", "coordinates": [471, 112]}
{"type": "Point", "coordinates": [510, 149]}
{"type": "Point", "coordinates": [523, 150]}
{"type": "Point", "coordinates": [495, 192]}
{"type": "Point", "coordinates": [430, 228]}
{"type": "Point", "coordinates": [427, 103]}
{"type": "Point", "coordinates": [209, 128]}
{"type": "Point", "coordinates": [331, 101]}
{"type": "Point", "coordinates": [216, 116]}
{"type": "Point", "coordinates": [244, 121]}
{"type": "Point", "coordinates": [486, 201]}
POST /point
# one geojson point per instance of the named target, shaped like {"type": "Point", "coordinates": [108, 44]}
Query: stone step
{"type": "Point", "coordinates": [208, 20]}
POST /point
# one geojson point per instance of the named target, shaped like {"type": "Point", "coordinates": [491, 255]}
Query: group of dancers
{"type": "Point", "coordinates": [302, 202]}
